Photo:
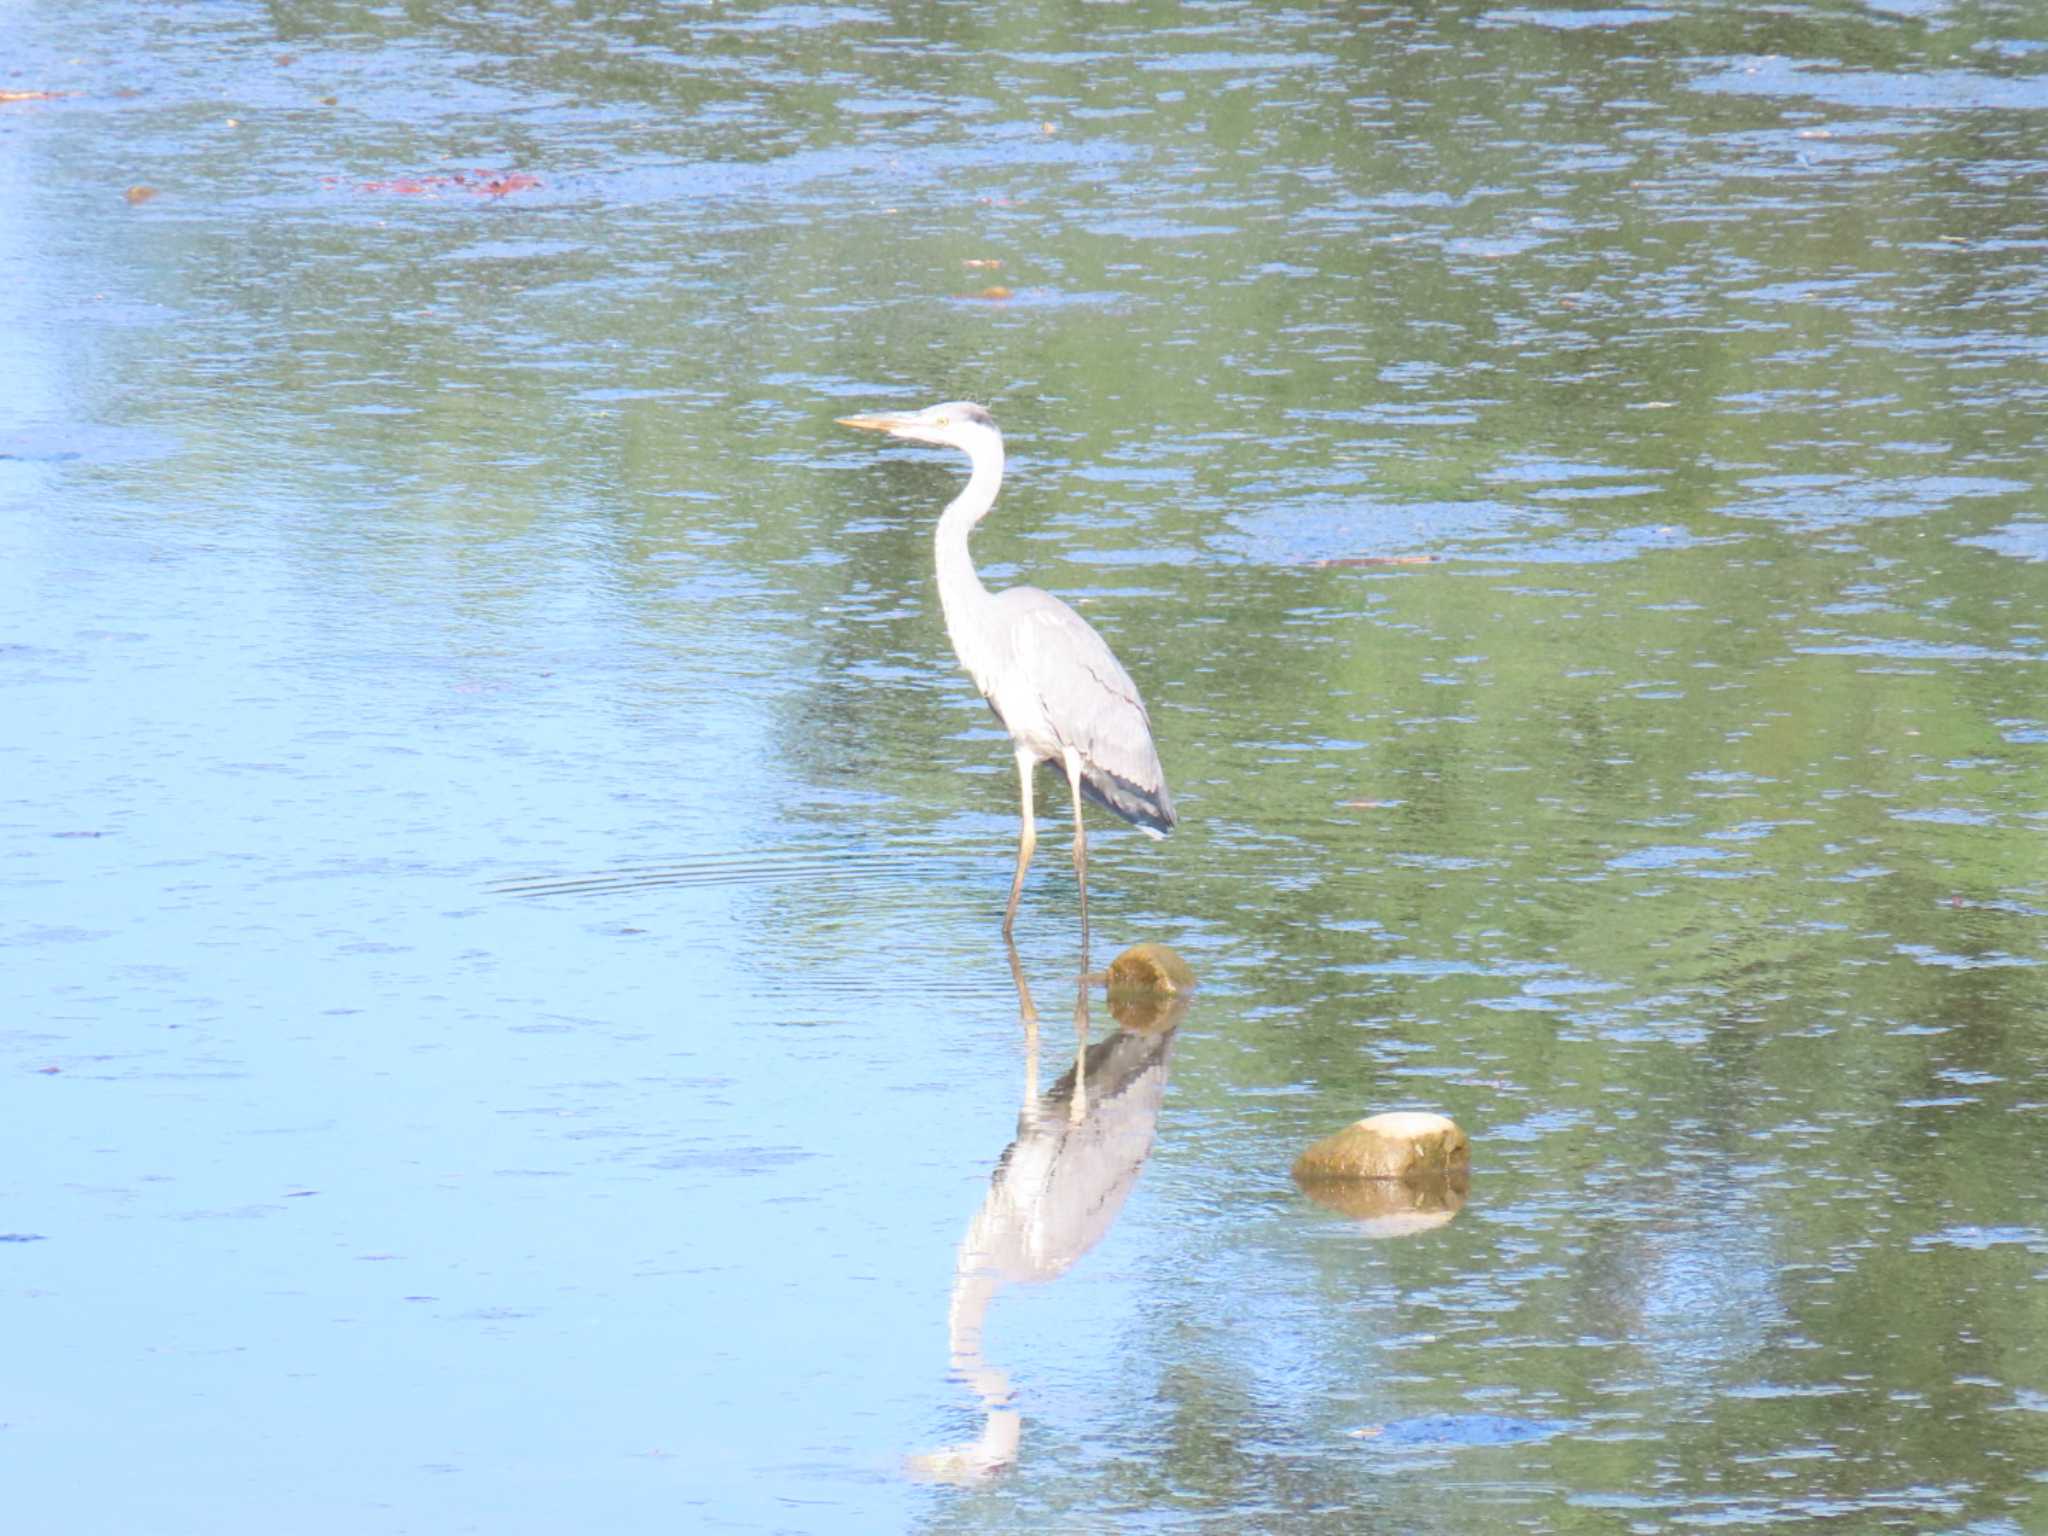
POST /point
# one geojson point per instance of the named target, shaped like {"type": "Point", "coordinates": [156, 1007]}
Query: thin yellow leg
{"type": "Point", "coordinates": [1027, 839]}
{"type": "Point", "coordinates": [1073, 765]}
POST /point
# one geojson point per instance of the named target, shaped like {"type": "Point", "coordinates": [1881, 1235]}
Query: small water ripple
{"type": "Point", "coordinates": [902, 860]}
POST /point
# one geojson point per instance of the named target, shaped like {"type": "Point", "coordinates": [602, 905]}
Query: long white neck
{"type": "Point", "coordinates": [960, 588]}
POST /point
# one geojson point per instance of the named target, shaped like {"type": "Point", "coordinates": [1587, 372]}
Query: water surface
{"type": "Point", "coordinates": [501, 878]}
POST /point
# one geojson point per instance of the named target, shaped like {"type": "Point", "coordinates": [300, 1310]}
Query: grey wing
{"type": "Point", "coordinates": [1091, 704]}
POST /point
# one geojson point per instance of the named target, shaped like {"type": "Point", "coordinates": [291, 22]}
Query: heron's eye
{"type": "Point", "coordinates": [940, 422]}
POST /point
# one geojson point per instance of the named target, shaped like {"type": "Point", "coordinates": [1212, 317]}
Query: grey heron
{"type": "Point", "coordinates": [1051, 679]}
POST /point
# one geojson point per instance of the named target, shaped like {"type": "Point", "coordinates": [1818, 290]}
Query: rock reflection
{"type": "Point", "coordinates": [1391, 1207]}
{"type": "Point", "coordinates": [1057, 1188]}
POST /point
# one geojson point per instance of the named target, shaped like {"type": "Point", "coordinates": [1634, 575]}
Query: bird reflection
{"type": "Point", "coordinates": [1057, 1188]}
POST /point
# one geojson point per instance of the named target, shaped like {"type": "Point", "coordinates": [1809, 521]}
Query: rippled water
{"type": "Point", "coordinates": [501, 877]}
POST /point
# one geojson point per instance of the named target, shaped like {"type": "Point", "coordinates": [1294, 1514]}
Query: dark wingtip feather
{"type": "Point", "coordinates": [1151, 809]}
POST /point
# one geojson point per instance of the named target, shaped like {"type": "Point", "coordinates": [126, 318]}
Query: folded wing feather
{"type": "Point", "coordinates": [1091, 704]}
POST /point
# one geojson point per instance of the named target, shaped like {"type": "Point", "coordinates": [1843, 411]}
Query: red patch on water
{"type": "Point", "coordinates": [475, 183]}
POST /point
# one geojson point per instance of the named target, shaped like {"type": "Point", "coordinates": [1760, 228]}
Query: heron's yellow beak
{"type": "Point", "coordinates": [872, 423]}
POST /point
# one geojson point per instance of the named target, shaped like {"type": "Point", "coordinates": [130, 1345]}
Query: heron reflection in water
{"type": "Point", "coordinates": [1051, 679]}
{"type": "Point", "coordinates": [1057, 1188]}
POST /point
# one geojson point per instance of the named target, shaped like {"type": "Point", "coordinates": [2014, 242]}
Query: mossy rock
{"type": "Point", "coordinates": [1150, 968]}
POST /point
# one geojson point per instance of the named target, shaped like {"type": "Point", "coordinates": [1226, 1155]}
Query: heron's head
{"type": "Point", "coordinates": [956, 424]}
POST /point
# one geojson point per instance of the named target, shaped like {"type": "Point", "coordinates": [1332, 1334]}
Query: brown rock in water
{"type": "Point", "coordinates": [1150, 968]}
{"type": "Point", "coordinates": [1404, 1144]}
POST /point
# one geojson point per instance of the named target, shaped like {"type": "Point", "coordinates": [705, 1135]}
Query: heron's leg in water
{"type": "Point", "coordinates": [1027, 839]}
{"type": "Point", "coordinates": [1028, 1012]}
{"type": "Point", "coordinates": [1077, 1106]}
{"type": "Point", "coordinates": [1073, 761]}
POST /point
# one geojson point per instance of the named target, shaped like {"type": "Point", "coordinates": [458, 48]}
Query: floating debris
{"type": "Point", "coordinates": [475, 183]}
